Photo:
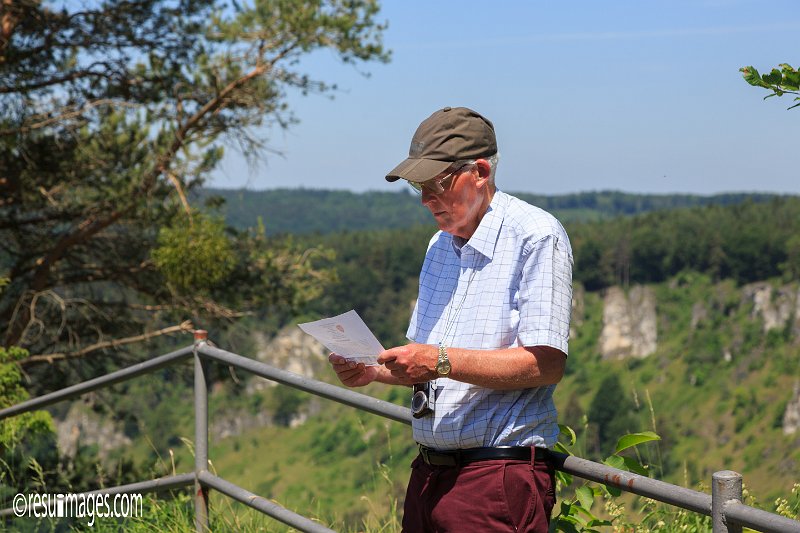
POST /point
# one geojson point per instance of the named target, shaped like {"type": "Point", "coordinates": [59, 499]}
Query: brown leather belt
{"type": "Point", "coordinates": [471, 455]}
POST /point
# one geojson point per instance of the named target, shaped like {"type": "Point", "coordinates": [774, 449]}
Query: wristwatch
{"type": "Point", "coordinates": [443, 364]}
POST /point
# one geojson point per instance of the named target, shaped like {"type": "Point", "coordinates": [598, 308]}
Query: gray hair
{"type": "Point", "coordinates": [493, 160]}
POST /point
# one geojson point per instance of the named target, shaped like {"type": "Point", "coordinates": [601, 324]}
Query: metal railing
{"type": "Point", "coordinates": [724, 504]}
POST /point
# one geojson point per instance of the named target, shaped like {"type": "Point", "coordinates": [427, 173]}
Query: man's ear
{"type": "Point", "coordinates": [483, 168]}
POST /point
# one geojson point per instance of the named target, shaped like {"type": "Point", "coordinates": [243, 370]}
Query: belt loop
{"type": "Point", "coordinates": [533, 458]}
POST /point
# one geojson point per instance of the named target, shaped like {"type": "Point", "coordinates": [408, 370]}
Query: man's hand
{"type": "Point", "coordinates": [410, 364]}
{"type": "Point", "coordinates": [352, 374]}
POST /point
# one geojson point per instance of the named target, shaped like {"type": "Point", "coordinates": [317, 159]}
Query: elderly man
{"type": "Point", "coordinates": [489, 339]}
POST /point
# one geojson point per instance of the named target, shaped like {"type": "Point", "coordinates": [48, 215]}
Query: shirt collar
{"type": "Point", "coordinates": [485, 237]}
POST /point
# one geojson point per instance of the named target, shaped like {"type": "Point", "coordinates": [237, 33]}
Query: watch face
{"type": "Point", "coordinates": [443, 368]}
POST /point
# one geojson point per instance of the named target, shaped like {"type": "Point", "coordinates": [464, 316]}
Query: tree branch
{"type": "Point", "coordinates": [72, 76]}
{"type": "Point", "coordinates": [185, 326]}
{"type": "Point", "coordinates": [66, 114]}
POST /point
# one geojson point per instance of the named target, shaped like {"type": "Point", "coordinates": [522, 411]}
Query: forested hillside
{"type": "Point", "coordinates": [300, 211]}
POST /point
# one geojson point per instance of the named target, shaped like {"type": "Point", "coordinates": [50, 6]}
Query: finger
{"type": "Point", "coordinates": [350, 374]}
{"type": "Point", "coordinates": [350, 369]}
{"type": "Point", "coordinates": [335, 358]}
{"type": "Point", "coordinates": [385, 357]}
{"type": "Point", "coordinates": [344, 364]}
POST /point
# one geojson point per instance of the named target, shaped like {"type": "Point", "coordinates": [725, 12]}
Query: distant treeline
{"type": "Point", "coordinates": [300, 211]}
{"type": "Point", "coordinates": [745, 242]}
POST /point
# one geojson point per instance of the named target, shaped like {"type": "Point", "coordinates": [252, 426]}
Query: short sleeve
{"type": "Point", "coordinates": [545, 294]}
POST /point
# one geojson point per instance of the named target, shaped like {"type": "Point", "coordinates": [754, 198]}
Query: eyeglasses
{"type": "Point", "coordinates": [438, 185]}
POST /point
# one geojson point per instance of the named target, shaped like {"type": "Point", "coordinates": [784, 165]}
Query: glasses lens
{"type": "Point", "coordinates": [435, 185]}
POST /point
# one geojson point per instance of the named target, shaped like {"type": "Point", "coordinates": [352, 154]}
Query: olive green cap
{"type": "Point", "coordinates": [449, 135]}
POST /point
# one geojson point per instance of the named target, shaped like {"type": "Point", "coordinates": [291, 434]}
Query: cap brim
{"type": "Point", "coordinates": [418, 170]}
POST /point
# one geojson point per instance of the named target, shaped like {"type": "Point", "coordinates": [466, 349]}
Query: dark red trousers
{"type": "Point", "coordinates": [485, 496]}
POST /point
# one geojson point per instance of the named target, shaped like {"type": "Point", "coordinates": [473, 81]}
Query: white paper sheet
{"type": "Point", "coordinates": [346, 335]}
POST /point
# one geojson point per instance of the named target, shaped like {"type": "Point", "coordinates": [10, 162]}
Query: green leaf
{"type": "Point", "coordinates": [569, 432]}
{"type": "Point", "coordinates": [615, 461]}
{"type": "Point", "coordinates": [752, 77]}
{"type": "Point", "coordinates": [583, 515]}
{"type": "Point", "coordinates": [628, 441]}
{"type": "Point", "coordinates": [635, 466]}
{"type": "Point", "coordinates": [791, 79]}
{"type": "Point", "coordinates": [585, 496]}
{"type": "Point", "coordinates": [773, 78]}
{"type": "Point", "coordinates": [561, 448]}
{"type": "Point", "coordinates": [599, 522]}
{"type": "Point", "coordinates": [609, 491]}
{"type": "Point", "coordinates": [566, 508]}
{"type": "Point", "coordinates": [565, 479]}
{"type": "Point", "coordinates": [566, 524]}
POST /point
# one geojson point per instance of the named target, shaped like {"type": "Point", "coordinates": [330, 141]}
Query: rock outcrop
{"type": "Point", "coordinates": [291, 349]}
{"type": "Point", "coordinates": [775, 306]}
{"type": "Point", "coordinates": [629, 323]}
{"type": "Point", "coordinates": [83, 427]}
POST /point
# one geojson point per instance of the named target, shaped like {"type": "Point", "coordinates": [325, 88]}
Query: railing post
{"type": "Point", "coordinates": [726, 486]}
{"type": "Point", "coordinates": [200, 434]}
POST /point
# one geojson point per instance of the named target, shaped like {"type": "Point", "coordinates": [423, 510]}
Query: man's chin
{"type": "Point", "coordinates": [441, 220]}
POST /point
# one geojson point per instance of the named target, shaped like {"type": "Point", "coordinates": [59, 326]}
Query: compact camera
{"type": "Point", "coordinates": [423, 399]}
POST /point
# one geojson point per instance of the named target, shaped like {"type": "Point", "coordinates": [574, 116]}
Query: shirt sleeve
{"type": "Point", "coordinates": [545, 294]}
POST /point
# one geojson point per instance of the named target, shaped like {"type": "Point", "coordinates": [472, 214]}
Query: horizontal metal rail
{"type": "Point", "coordinates": [97, 383]}
{"type": "Point", "coordinates": [331, 392]}
{"type": "Point", "coordinates": [759, 519]}
{"type": "Point", "coordinates": [261, 504]}
{"type": "Point", "coordinates": [692, 500]}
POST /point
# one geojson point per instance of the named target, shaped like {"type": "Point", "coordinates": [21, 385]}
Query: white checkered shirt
{"type": "Point", "coordinates": [514, 277]}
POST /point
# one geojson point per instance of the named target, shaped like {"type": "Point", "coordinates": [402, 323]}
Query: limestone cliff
{"type": "Point", "coordinates": [775, 306]}
{"type": "Point", "coordinates": [629, 323]}
{"type": "Point", "coordinates": [291, 349]}
{"type": "Point", "coordinates": [83, 427]}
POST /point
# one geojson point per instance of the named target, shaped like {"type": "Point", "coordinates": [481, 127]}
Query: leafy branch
{"type": "Point", "coordinates": [780, 82]}
{"type": "Point", "coordinates": [575, 514]}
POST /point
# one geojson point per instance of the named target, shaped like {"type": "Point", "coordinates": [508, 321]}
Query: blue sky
{"type": "Point", "coordinates": [641, 96]}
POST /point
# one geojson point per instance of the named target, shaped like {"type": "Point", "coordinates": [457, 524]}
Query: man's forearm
{"type": "Point", "coordinates": [508, 369]}
{"type": "Point", "coordinates": [501, 369]}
